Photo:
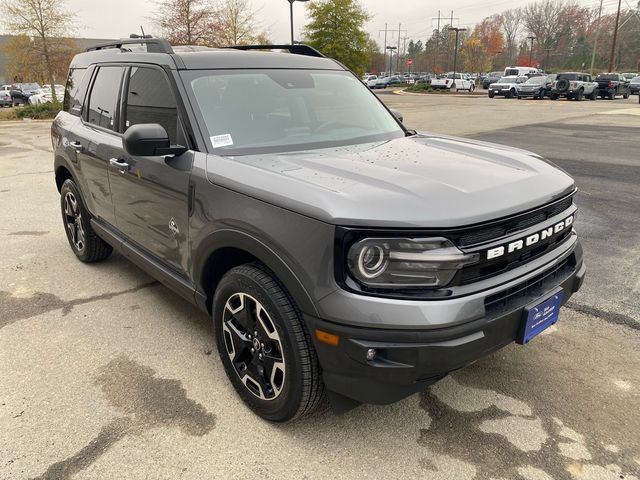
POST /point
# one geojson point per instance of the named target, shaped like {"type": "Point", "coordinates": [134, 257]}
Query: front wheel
{"type": "Point", "coordinates": [625, 96]}
{"type": "Point", "coordinates": [264, 346]}
{"type": "Point", "coordinates": [593, 95]}
{"type": "Point", "coordinates": [578, 95]}
{"type": "Point", "coordinates": [84, 242]}
{"type": "Point", "coordinates": [491, 95]}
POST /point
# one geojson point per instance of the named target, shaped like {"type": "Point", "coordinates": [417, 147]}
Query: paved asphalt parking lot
{"type": "Point", "coordinates": [107, 374]}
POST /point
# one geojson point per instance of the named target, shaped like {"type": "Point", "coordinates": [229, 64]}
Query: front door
{"type": "Point", "coordinates": [150, 194]}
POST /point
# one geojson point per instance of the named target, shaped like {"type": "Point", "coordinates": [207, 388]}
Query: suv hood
{"type": "Point", "coordinates": [419, 181]}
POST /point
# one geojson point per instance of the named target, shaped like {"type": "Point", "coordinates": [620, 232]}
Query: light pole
{"type": "Point", "coordinates": [391, 49]}
{"type": "Point", "coordinates": [291, 2]}
{"type": "Point", "coordinates": [455, 54]}
{"type": "Point", "coordinates": [532, 38]}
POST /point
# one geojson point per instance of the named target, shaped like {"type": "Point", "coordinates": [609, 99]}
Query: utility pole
{"type": "Point", "coordinates": [615, 38]}
{"type": "Point", "coordinates": [532, 38]}
{"type": "Point", "coordinates": [384, 50]}
{"type": "Point", "coordinates": [455, 55]}
{"type": "Point", "coordinates": [449, 41]}
{"type": "Point", "coordinates": [398, 55]}
{"type": "Point", "coordinates": [391, 49]}
{"type": "Point", "coordinates": [437, 53]}
{"type": "Point", "coordinates": [595, 41]}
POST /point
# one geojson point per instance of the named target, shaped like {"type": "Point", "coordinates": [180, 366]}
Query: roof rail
{"type": "Point", "coordinates": [297, 49]}
{"type": "Point", "coordinates": [154, 45]}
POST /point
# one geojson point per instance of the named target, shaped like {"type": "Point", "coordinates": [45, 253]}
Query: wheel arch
{"type": "Point", "coordinates": [226, 249]}
{"type": "Point", "coordinates": [62, 172]}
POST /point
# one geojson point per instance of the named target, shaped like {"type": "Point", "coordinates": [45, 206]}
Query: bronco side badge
{"type": "Point", "coordinates": [173, 226]}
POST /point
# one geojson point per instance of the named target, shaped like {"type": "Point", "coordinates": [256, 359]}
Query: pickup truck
{"type": "Point", "coordinates": [612, 84]}
{"type": "Point", "coordinates": [573, 86]}
{"type": "Point", "coordinates": [462, 82]}
{"type": "Point", "coordinates": [20, 92]}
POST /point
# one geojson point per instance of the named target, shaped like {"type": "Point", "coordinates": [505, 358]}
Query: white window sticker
{"type": "Point", "coordinates": [221, 140]}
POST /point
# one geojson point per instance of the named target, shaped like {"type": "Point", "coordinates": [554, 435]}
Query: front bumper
{"type": "Point", "coordinates": [407, 361]}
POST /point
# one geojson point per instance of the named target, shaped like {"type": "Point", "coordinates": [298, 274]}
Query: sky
{"type": "Point", "coordinates": [119, 18]}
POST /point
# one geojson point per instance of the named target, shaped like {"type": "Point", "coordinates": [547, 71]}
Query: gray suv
{"type": "Point", "coordinates": [338, 253]}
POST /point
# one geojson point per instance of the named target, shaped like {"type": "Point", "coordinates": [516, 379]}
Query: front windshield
{"type": "Point", "coordinates": [537, 80]}
{"type": "Point", "coordinates": [266, 111]}
{"type": "Point", "coordinates": [30, 86]}
{"type": "Point", "coordinates": [507, 80]}
{"type": "Point", "coordinates": [635, 80]}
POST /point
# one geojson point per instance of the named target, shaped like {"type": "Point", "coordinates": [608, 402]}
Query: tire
{"type": "Point", "coordinates": [510, 94]}
{"type": "Point", "coordinates": [553, 96]}
{"type": "Point", "coordinates": [472, 88]}
{"type": "Point", "coordinates": [625, 96]}
{"type": "Point", "coordinates": [612, 96]}
{"type": "Point", "coordinates": [578, 96]}
{"type": "Point", "coordinates": [491, 95]}
{"type": "Point", "coordinates": [294, 386]}
{"type": "Point", "coordinates": [592, 95]}
{"type": "Point", "coordinates": [519, 97]}
{"type": "Point", "coordinates": [84, 242]}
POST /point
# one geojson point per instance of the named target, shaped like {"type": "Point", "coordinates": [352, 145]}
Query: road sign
{"type": "Point", "coordinates": [409, 62]}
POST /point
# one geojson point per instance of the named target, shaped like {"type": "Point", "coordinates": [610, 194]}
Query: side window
{"type": "Point", "coordinates": [103, 98]}
{"type": "Point", "coordinates": [150, 100]}
{"type": "Point", "coordinates": [75, 90]}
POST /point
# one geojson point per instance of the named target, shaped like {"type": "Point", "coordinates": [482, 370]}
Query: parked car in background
{"type": "Point", "coordinates": [574, 86]}
{"type": "Point", "coordinates": [371, 81]}
{"type": "Point", "coordinates": [520, 71]}
{"type": "Point", "coordinates": [462, 82]}
{"type": "Point", "coordinates": [610, 85]}
{"type": "Point", "coordinates": [634, 86]}
{"type": "Point", "coordinates": [20, 92]}
{"type": "Point", "coordinates": [629, 76]}
{"type": "Point", "coordinates": [385, 82]}
{"type": "Point", "coordinates": [535, 87]}
{"type": "Point", "coordinates": [491, 77]}
{"type": "Point", "coordinates": [506, 86]}
{"type": "Point", "coordinates": [45, 95]}
{"type": "Point", "coordinates": [5, 96]}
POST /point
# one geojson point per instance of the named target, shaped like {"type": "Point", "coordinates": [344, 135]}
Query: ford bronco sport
{"type": "Point", "coordinates": [337, 252]}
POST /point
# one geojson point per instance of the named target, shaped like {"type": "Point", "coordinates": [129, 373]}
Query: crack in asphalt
{"type": "Point", "coordinates": [146, 402]}
{"type": "Point", "coordinates": [459, 434]}
{"type": "Point", "coordinates": [24, 173]}
{"type": "Point", "coordinates": [13, 309]}
{"type": "Point", "coordinates": [609, 317]}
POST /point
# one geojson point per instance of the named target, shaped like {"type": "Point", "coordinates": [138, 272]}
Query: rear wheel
{"type": "Point", "coordinates": [579, 94]}
{"type": "Point", "coordinates": [264, 346]}
{"type": "Point", "coordinates": [491, 95]}
{"type": "Point", "coordinates": [612, 96]}
{"type": "Point", "coordinates": [593, 95]}
{"type": "Point", "coordinates": [625, 96]}
{"type": "Point", "coordinates": [84, 242]}
{"type": "Point", "coordinates": [510, 93]}
{"type": "Point", "coordinates": [553, 96]}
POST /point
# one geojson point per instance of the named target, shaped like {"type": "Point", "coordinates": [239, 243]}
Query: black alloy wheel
{"type": "Point", "coordinates": [264, 344]}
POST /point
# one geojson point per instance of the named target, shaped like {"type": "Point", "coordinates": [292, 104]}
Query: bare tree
{"type": "Point", "coordinates": [238, 23]}
{"type": "Point", "coordinates": [186, 22]}
{"type": "Point", "coordinates": [48, 22]}
{"type": "Point", "coordinates": [511, 24]}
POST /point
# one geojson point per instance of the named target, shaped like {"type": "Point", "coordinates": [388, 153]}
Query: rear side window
{"type": "Point", "coordinates": [150, 100]}
{"type": "Point", "coordinates": [104, 96]}
{"type": "Point", "coordinates": [75, 90]}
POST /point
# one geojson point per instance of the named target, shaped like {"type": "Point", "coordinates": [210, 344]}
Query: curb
{"type": "Point", "coordinates": [451, 95]}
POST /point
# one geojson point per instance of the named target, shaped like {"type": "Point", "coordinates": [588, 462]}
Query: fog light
{"type": "Point", "coordinates": [371, 354]}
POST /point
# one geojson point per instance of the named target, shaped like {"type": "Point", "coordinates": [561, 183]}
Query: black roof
{"type": "Point", "coordinates": [160, 52]}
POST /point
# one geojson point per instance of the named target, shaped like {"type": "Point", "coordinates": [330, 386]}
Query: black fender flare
{"type": "Point", "coordinates": [239, 240]}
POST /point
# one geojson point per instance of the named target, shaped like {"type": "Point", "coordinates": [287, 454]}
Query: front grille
{"type": "Point", "coordinates": [523, 293]}
{"type": "Point", "coordinates": [508, 226]}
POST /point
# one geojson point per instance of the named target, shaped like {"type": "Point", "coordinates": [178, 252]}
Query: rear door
{"type": "Point", "coordinates": [96, 140]}
{"type": "Point", "coordinates": [150, 193]}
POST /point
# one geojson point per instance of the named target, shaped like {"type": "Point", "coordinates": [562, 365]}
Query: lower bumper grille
{"type": "Point", "coordinates": [522, 293]}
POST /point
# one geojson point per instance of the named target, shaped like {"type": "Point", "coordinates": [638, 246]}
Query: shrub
{"type": "Point", "coordinates": [39, 112]}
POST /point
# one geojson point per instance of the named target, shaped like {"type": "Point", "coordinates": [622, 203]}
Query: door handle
{"type": "Point", "coordinates": [119, 164]}
{"type": "Point", "coordinates": [77, 146]}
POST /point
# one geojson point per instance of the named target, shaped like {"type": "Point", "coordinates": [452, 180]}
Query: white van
{"type": "Point", "coordinates": [519, 71]}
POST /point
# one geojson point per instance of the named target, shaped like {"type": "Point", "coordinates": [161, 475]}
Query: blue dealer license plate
{"type": "Point", "coordinates": [540, 317]}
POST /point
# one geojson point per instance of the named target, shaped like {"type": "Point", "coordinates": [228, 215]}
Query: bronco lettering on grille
{"type": "Point", "coordinates": [529, 240]}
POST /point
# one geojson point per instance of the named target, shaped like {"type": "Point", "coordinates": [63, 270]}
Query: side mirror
{"type": "Point", "coordinates": [397, 114]}
{"type": "Point", "coordinates": [149, 140]}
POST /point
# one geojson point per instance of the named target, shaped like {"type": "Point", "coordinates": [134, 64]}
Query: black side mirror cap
{"type": "Point", "coordinates": [149, 140]}
{"type": "Point", "coordinates": [398, 115]}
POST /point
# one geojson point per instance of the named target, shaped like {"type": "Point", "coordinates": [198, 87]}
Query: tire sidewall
{"type": "Point", "coordinates": [286, 404]}
{"type": "Point", "coordinates": [70, 186]}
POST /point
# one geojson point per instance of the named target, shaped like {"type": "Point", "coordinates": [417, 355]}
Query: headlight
{"type": "Point", "coordinates": [406, 262]}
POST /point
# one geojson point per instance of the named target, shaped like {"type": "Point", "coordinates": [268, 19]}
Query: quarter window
{"type": "Point", "coordinates": [104, 95]}
{"type": "Point", "coordinates": [75, 90]}
{"type": "Point", "coordinates": [150, 100]}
